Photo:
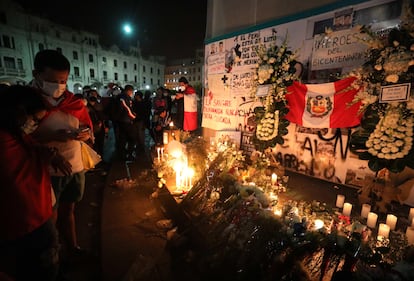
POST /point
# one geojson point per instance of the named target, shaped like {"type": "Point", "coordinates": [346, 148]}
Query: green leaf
{"type": "Point", "coordinates": [366, 156]}
{"type": "Point", "coordinates": [397, 165]}
{"type": "Point", "coordinates": [375, 165]}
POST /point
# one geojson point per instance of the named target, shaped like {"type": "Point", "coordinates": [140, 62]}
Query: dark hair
{"type": "Point", "coordinates": [139, 93]}
{"type": "Point", "coordinates": [128, 88]}
{"type": "Point", "coordinates": [92, 98]}
{"type": "Point", "coordinates": [17, 103]}
{"type": "Point", "coordinates": [183, 80]}
{"type": "Point", "coordinates": [52, 59]}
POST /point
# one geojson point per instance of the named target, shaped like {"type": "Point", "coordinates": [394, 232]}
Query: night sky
{"type": "Point", "coordinates": [169, 28]}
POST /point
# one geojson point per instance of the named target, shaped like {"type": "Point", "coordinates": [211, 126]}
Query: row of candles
{"type": "Point", "coordinates": [384, 228]}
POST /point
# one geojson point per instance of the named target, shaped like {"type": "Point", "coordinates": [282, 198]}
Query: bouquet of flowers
{"type": "Point", "coordinates": [386, 135]}
{"type": "Point", "coordinates": [275, 68]}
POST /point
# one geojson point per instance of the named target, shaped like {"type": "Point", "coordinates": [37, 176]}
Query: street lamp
{"type": "Point", "coordinates": [127, 28]}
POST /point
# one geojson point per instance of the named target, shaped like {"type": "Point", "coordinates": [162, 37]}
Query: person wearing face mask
{"type": "Point", "coordinates": [188, 115]}
{"type": "Point", "coordinates": [65, 125]}
{"type": "Point", "coordinates": [28, 237]}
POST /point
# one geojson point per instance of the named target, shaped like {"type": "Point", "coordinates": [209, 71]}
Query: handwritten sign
{"type": "Point", "coordinates": [336, 50]}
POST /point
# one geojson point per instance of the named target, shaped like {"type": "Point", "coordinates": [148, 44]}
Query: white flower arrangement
{"type": "Point", "coordinates": [386, 128]}
{"type": "Point", "coordinates": [276, 68]}
{"type": "Point", "coordinates": [392, 137]}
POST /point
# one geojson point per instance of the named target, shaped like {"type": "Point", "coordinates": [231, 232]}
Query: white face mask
{"type": "Point", "coordinates": [182, 88]}
{"type": "Point", "coordinates": [54, 90]}
{"type": "Point", "coordinates": [29, 126]}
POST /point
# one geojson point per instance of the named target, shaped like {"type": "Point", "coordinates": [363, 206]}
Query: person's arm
{"type": "Point", "coordinates": [130, 113]}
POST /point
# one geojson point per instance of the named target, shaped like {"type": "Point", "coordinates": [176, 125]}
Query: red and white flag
{"type": "Point", "coordinates": [190, 109]}
{"type": "Point", "coordinates": [324, 105]}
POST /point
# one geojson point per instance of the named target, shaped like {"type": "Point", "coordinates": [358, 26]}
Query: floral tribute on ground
{"type": "Point", "coordinates": [385, 138]}
{"type": "Point", "coordinates": [252, 228]}
{"type": "Point", "coordinates": [275, 70]}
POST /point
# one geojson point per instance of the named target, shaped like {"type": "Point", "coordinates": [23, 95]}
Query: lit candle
{"type": "Point", "coordinates": [391, 221]}
{"type": "Point", "coordinates": [372, 219]}
{"type": "Point", "coordinates": [347, 209]}
{"type": "Point", "coordinates": [410, 235]}
{"type": "Point", "coordinates": [165, 137]}
{"type": "Point", "coordinates": [366, 208]}
{"type": "Point", "coordinates": [340, 199]}
{"type": "Point", "coordinates": [274, 179]}
{"type": "Point", "coordinates": [171, 124]}
{"type": "Point", "coordinates": [383, 230]}
{"type": "Point", "coordinates": [411, 214]}
{"type": "Point", "coordinates": [158, 153]}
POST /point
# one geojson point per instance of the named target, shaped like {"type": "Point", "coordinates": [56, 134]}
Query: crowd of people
{"type": "Point", "coordinates": [42, 129]}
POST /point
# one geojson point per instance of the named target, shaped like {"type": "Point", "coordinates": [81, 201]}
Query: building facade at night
{"type": "Point", "coordinates": [191, 68]}
{"type": "Point", "coordinates": [22, 35]}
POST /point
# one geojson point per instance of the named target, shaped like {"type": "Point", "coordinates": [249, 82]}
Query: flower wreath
{"type": "Point", "coordinates": [275, 68]}
{"type": "Point", "coordinates": [385, 138]}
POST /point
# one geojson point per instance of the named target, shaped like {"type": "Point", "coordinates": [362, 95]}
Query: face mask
{"type": "Point", "coordinates": [29, 126]}
{"type": "Point", "coordinates": [54, 90]}
{"type": "Point", "coordinates": [182, 88]}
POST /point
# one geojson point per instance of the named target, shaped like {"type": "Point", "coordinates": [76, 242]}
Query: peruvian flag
{"type": "Point", "coordinates": [324, 105]}
{"type": "Point", "coordinates": [190, 109]}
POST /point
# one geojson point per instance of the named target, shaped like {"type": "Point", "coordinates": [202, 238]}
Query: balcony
{"type": "Point", "coordinates": [14, 72]}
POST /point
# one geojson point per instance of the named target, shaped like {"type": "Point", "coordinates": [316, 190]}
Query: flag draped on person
{"type": "Point", "coordinates": [190, 109]}
{"type": "Point", "coordinates": [326, 105]}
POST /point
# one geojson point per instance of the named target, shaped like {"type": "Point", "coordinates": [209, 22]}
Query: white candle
{"type": "Point", "coordinates": [158, 153]}
{"type": "Point", "coordinates": [274, 179]}
{"type": "Point", "coordinates": [165, 137]}
{"type": "Point", "coordinates": [411, 214]}
{"type": "Point", "coordinates": [410, 235]}
{"type": "Point", "coordinates": [383, 230]}
{"type": "Point", "coordinates": [366, 208]}
{"type": "Point", "coordinates": [372, 219]}
{"type": "Point", "coordinates": [340, 199]}
{"type": "Point", "coordinates": [391, 221]}
{"type": "Point", "coordinates": [347, 209]}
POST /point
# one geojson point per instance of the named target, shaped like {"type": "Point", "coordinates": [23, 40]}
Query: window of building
{"type": "Point", "coordinates": [135, 79]}
{"type": "Point", "coordinates": [20, 64]}
{"type": "Point", "coordinates": [158, 82]}
{"type": "Point", "coordinates": [135, 66]}
{"type": "Point", "coordinates": [144, 80]}
{"type": "Point", "coordinates": [75, 55]}
{"type": "Point", "coordinates": [125, 77]}
{"type": "Point", "coordinates": [104, 59]}
{"type": "Point", "coordinates": [9, 62]}
{"type": "Point", "coordinates": [143, 68]}
{"type": "Point", "coordinates": [8, 42]}
{"type": "Point", "coordinates": [59, 50]}
{"type": "Point", "coordinates": [199, 78]}
{"type": "Point", "coordinates": [125, 65]}
{"type": "Point", "coordinates": [90, 58]}
{"type": "Point", "coordinates": [105, 74]}
{"type": "Point", "coordinates": [115, 63]}
{"type": "Point", "coordinates": [76, 71]}
{"type": "Point", "coordinates": [158, 71]}
{"type": "Point", "coordinates": [3, 18]}
{"type": "Point", "coordinates": [41, 47]}
{"type": "Point", "coordinates": [116, 76]}
{"type": "Point", "coordinates": [92, 73]}
{"type": "Point", "coordinates": [151, 70]}
{"type": "Point", "coordinates": [152, 81]}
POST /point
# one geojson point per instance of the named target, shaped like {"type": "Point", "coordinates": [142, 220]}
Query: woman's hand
{"type": "Point", "coordinates": [59, 163]}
